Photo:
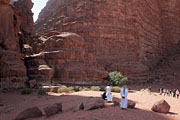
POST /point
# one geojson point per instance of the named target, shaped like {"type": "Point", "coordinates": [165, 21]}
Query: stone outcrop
{"type": "Point", "coordinates": [26, 32]}
{"type": "Point", "coordinates": [128, 36]}
{"type": "Point", "coordinates": [13, 71]}
{"type": "Point", "coordinates": [61, 58]}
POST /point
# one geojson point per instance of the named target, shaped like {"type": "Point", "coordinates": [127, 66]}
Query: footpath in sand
{"type": "Point", "coordinates": [14, 103]}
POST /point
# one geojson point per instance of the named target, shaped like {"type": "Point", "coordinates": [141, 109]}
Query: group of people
{"type": "Point", "coordinates": [174, 93]}
{"type": "Point", "coordinates": [124, 92]}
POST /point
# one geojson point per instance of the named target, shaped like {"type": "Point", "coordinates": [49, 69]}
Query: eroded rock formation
{"type": "Point", "coordinates": [130, 36]}
{"type": "Point", "coordinates": [62, 58]}
{"type": "Point", "coordinates": [13, 71]}
{"type": "Point", "coordinates": [78, 41]}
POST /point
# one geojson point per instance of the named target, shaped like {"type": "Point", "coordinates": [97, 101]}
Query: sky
{"type": "Point", "coordinates": [38, 6]}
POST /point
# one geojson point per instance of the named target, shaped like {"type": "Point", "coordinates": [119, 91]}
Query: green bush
{"type": "Point", "coordinates": [26, 91]}
{"type": "Point", "coordinates": [65, 89]}
{"type": "Point", "coordinates": [54, 89]}
{"type": "Point", "coordinates": [116, 78]}
{"type": "Point", "coordinates": [116, 89]}
{"type": "Point", "coordinates": [76, 88]}
{"type": "Point", "coordinates": [84, 89]}
{"type": "Point", "coordinates": [42, 92]}
{"type": "Point", "coordinates": [95, 88]}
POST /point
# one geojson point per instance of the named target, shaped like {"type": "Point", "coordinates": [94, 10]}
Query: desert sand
{"type": "Point", "coordinates": [11, 104]}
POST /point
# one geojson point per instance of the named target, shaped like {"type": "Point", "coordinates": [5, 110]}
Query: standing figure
{"type": "Point", "coordinates": [124, 93]}
{"type": "Point", "coordinates": [160, 91]}
{"type": "Point", "coordinates": [177, 93]}
{"type": "Point", "coordinates": [167, 91]}
{"type": "Point", "coordinates": [164, 91]}
{"type": "Point", "coordinates": [109, 94]}
{"type": "Point", "coordinates": [174, 93]}
{"type": "Point", "coordinates": [170, 92]}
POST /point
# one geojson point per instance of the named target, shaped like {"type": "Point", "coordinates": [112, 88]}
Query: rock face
{"type": "Point", "coordinates": [161, 106]}
{"type": "Point", "coordinates": [78, 41]}
{"type": "Point", "coordinates": [13, 71]}
{"type": "Point", "coordinates": [26, 33]}
{"type": "Point", "coordinates": [128, 36]}
{"type": "Point", "coordinates": [62, 58]}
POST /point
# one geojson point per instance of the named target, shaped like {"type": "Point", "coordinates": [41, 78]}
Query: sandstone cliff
{"type": "Point", "coordinates": [62, 59]}
{"type": "Point", "coordinates": [78, 41]}
{"type": "Point", "coordinates": [131, 36]}
{"type": "Point", "coordinates": [13, 71]}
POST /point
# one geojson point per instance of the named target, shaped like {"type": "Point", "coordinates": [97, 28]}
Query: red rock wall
{"type": "Point", "coordinates": [124, 35]}
{"type": "Point", "coordinates": [62, 59]}
{"type": "Point", "coordinates": [13, 72]}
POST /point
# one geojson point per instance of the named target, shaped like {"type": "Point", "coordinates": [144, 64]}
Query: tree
{"type": "Point", "coordinates": [116, 78]}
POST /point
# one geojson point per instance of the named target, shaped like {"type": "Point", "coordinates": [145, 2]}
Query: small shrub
{"type": "Point", "coordinates": [116, 78]}
{"type": "Point", "coordinates": [26, 91]}
{"type": "Point", "coordinates": [42, 92]}
{"type": "Point", "coordinates": [116, 89]}
{"type": "Point", "coordinates": [54, 89]}
{"type": "Point", "coordinates": [84, 89]}
{"type": "Point", "coordinates": [95, 88]}
{"type": "Point", "coordinates": [76, 88]}
{"type": "Point", "coordinates": [65, 89]}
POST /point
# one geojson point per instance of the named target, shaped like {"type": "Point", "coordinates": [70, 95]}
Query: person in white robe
{"type": "Point", "coordinates": [109, 94]}
{"type": "Point", "coordinates": [124, 93]}
{"type": "Point", "coordinates": [177, 93]}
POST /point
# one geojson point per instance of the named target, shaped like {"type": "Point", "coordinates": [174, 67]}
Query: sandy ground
{"type": "Point", "coordinates": [11, 104]}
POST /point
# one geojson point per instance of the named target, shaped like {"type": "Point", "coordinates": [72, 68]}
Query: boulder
{"type": "Point", "coordinates": [33, 112]}
{"type": "Point", "coordinates": [52, 110]}
{"type": "Point", "coordinates": [161, 106]}
{"type": "Point", "coordinates": [79, 107]}
{"type": "Point", "coordinates": [131, 104]}
{"type": "Point", "coordinates": [115, 103]}
{"type": "Point", "coordinates": [94, 103]}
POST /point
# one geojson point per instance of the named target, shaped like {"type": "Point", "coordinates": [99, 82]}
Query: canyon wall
{"type": "Point", "coordinates": [13, 72]}
{"type": "Point", "coordinates": [80, 41]}
{"type": "Point", "coordinates": [124, 35]}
